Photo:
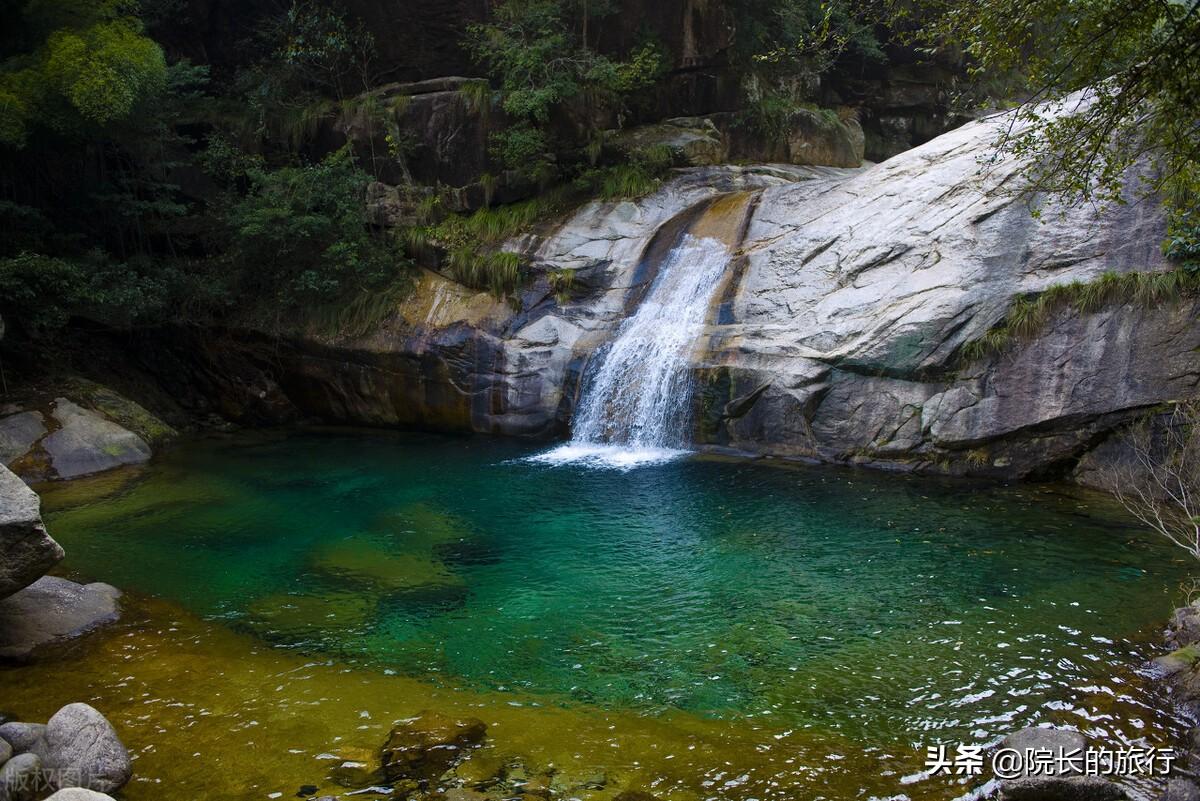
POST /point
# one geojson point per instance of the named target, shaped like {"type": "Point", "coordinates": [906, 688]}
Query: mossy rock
{"type": "Point", "coordinates": [120, 410]}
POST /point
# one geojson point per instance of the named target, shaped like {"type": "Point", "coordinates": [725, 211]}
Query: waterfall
{"type": "Point", "coordinates": [635, 403]}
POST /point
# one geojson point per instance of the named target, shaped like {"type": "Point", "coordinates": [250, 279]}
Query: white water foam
{"type": "Point", "coordinates": [635, 407]}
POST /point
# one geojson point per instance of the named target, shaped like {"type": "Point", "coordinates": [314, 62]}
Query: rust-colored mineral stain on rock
{"type": "Point", "coordinates": [725, 219]}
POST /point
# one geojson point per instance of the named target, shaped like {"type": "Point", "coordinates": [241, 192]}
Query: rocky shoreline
{"type": "Point", "coordinates": [76, 755]}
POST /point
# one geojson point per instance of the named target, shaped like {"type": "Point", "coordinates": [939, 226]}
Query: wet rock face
{"type": "Point", "coordinates": [27, 552]}
{"type": "Point", "coordinates": [450, 358]}
{"type": "Point", "coordinates": [429, 745]}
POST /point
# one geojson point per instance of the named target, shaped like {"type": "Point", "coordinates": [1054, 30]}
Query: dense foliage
{"type": "Point", "coordinates": [137, 187]}
{"type": "Point", "coordinates": [123, 202]}
{"type": "Point", "coordinates": [540, 53]}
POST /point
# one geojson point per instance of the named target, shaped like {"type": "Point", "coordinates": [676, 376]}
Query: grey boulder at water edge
{"type": "Point", "coordinates": [833, 329]}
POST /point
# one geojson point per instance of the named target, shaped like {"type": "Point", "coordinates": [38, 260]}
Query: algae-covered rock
{"type": "Point", "coordinates": [121, 410]}
{"type": "Point", "coordinates": [368, 563]}
{"type": "Point", "coordinates": [479, 770]}
{"type": "Point", "coordinates": [692, 141]}
{"type": "Point", "coordinates": [1178, 660]}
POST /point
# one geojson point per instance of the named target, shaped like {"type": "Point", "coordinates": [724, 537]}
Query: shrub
{"type": "Point", "coordinates": [300, 235]}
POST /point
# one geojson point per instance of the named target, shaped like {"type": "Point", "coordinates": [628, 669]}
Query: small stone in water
{"type": "Point", "coordinates": [307, 790]}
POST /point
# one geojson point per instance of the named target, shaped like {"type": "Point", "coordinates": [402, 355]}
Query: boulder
{"type": "Point", "coordinates": [1051, 784]}
{"type": "Point", "coordinates": [23, 737]}
{"type": "Point", "coordinates": [822, 137]}
{"type": "Point", "coordinates": [52, 610]}
{"type": "Point", "coordinates": [18, 433]}
{"type": "Point", "coordinates": [79, 794]}
{"type": "Point", "coordinates": [6, 751]}
{"type": "Point", "coordinates": [428, 745]}
{"type": "Point", "coordinates": [26, 550]}
{"type": "Point", "coordinates": [83, 750]}
{"type": "Point", "coordinates": [22, 778]}
{"type": "Point", "coordinates": [1184, 629]}
{"type": "Point", "coordinates": [88, 442]}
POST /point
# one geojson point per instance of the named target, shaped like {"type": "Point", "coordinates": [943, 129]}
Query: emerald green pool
{"type": "Point", "coordinates": [893, 611]}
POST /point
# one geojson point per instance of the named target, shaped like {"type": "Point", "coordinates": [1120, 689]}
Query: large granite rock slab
{"type": "Point", "coordinates": [26, 550]}
{"type": "Point", "coordinates": [52, 610]}
{"type": "Point", "coordinates": [87, 442]}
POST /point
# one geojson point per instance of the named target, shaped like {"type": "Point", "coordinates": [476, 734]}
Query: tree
{"type": "Point", "coordinates": [539, 52]}
{"type": "Point", "coordinates": [1110, 85]}
{"type": "Point", "coordinates": [1159, 480]}
{"type": "Point", "coordinates": [325, 49]}
{"type": "Point", "coordinates": [301, 235]}
{"type": "Point", "coordinates": [70, 65]}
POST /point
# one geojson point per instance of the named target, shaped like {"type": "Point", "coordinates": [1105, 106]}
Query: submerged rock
{"type": "Point", "coordinates": [26, 550]}
{"type": "Point", "coordinates": [83, 750]}
{"type": "Point", "coordinates": [368, 563]}
{"type": "Point", "coordinates": [52, 610]}
{"type": "Point", "coordinates": [429, 745]}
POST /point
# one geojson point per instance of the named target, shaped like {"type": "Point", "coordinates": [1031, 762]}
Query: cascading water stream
{"type": "Point", "coordinates": [635, 405]}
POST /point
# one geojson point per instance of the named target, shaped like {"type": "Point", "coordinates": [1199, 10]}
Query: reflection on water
{"type": "Point", "coordinates": [792, 631]}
